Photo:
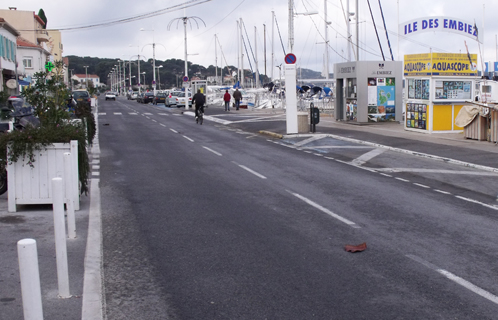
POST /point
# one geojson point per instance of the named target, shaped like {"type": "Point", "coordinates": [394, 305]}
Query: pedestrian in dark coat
{"type": "Point", "coordinates": [237, 95]}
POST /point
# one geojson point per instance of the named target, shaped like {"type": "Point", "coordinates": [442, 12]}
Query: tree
{"type": "Point", "coordinates": [42, 16]}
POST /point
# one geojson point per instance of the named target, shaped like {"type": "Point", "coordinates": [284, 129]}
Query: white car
{"type": "Point", "coordinates": [110, 96]}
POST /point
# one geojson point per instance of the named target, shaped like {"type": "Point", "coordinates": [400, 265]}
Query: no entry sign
{"type": "Point", "coordinates": [290, 58]}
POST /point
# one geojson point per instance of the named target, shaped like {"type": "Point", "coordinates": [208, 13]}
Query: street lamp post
{"type": "Point", "coordinates": [86, 76]}
{"type": "Point", "coordinates": [159, 76]}
{"type": "Point", "coordinates": [138, 62]}
{"type": "Point", "coordinates": [153, 60]}
{"type": "Point", "coordinates": [143, 73]}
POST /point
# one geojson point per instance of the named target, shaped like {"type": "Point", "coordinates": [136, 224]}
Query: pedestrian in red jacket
{"type": "Point", "coordinates": [227, 98]}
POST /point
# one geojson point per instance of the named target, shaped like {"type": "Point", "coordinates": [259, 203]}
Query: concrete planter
{"type": "Point", "coordinates": [27, 185]}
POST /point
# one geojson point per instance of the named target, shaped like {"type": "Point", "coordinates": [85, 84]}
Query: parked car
{"type": "Point", "coordinates": [110, 95]}
{"type": "Point", "coordinates": [82, 96]}
{"type": "Point", "coordinates": [139, 97]}
{"type": "Point", "coordinates": [132, 95]}
{"type": "Point", "coordinates": [180, 99]}
{"type": "Point", "coordinates": [171, 98]}
{"type": "Point", "coordinates": [147, 97]}
{"type": "Point", "coordinates": [159, 98]}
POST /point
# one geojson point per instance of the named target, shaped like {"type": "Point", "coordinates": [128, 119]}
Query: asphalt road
{"type": "Point", "coordinates": [215, 222]}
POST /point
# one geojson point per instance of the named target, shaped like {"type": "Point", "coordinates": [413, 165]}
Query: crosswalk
{"type": "Point", "coordinates": [132, 113]}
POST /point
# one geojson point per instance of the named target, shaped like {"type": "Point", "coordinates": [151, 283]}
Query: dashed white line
{"type": "Point", "coordinates": [188, 139]}
{"type": "Point", "coordinates": [327, 211]}
{"type": "Point", "coordinates": [464, 283]}
{"type": "Point", "coordinates": [154, 120]}
{"type": "Point", "coordinates": [477, 202]}
{"type": "Point", "coordinates": [162, 124]}
{"type": "Point", "coordinates": [422, 185]}
{"type": "Point", "coordinates": [174, 130]}
{"type": "Point", "coordinates": [216, 153]}
{"type": "Point", "coordinates": [317, 154]}
{"type": "Point", "coordinates": [330, 158]}
{"type": "Point", "coordinates": [148, 113]}
{"type": "Point", "coordinates": [441, 191]}
{"type": "Point", "coordinates": [386, 175]}
{"type": "Point", "coordinates": [401, 179]}
{"type": "Point", "coordinates": [117, 113]}
{"type": "Point", "coordinates": [133, 113]}
{"type": "Point", "coordinates": [250, 170]}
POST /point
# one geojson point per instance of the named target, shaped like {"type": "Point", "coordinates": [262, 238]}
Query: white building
{"type": "Point", "coordinates": [32, 58]}
{"type": "Point", "coordinates": [82, 78]}
{"type": "Point", "coordinates": [8, 51]}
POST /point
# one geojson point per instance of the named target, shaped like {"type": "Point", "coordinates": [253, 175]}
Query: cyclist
{"type": "Point", "coordinates": [199, 100]}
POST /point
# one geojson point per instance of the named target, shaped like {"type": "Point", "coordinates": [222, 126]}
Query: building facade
{"type": "Point", "coordinates": [8, 59]}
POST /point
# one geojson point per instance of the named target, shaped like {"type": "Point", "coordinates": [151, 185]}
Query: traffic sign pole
{"type": "Point", "coordinates": [290, 94]}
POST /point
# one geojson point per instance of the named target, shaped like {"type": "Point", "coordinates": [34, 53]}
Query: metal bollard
{"type": "Point", "coordinates": [60, 238]}
{"type": "Point", "coordinates": [68, 183]}
{"type": "Point", "coordinates": [30, 279]}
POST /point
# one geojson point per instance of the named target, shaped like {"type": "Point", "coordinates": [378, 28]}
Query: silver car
{"type": "Point", "coordinates": [171, 98]}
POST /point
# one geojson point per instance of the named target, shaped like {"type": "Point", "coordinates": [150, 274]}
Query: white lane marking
{"type": "Point", "coordinates": [416, 170]}
{"type": "Point", "coordinates": [95, 167]}
{"type": "Point", "coordinates": [306, 141]}
{"type": "Point", "coordinates": [250, 170]}
{"type": "Point", "coordinates": [386, 175]}
{"type": "Point", "coordinates": [327, 211]}
{"type": "Point", "coordinates": [95, 161]}
{"type": "Point", "coordinates": [464, 283]}
{"type": "Point", "coordinates": [174, 130]}
{"type": "Point", "coordinates": [188, 139]}
{"type": "Point", "coordinates": [401, 179]}
{"type": "Point", "coordinates": [216, 153]}
{"type": "Point", "coordinates": [148, 113]}
{"type": "Point", "coordinates": [133, 113]}
{"type": "Point", "coordinates": [368, 156]}
{"type": "Point", "coordinates": [421, 185]}
{"type": "Point", "coordinates": [117, 113]}
{"type": "Point", "coordinates": [162, 114]}
{"type": "Point", "coordinates": [477, 202]}
{"type": "Point", "coordinates": [318, 154]}
{"type": "Point", "coordinates": [330, 158]}
{"type": "Point", "coordinates": [441, 191]}
{"type": "Point", "coordinates": [95, 173]}
{"type": "Point", "coordinates": [337, 147]}
{"type": "Point", "coordinates": [102, 113]}
{"type": "Point", "coordinates": [308, 151]}
{"type": "Point", "coordinates": [147, 117]}
{"type": "Point", "coordinates": [162, 124]}
{"type": "Point", "coordinates": [154, 120]}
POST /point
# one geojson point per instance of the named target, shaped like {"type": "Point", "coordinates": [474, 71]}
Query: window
{"type": "Point", "coordinates": [27, 62]}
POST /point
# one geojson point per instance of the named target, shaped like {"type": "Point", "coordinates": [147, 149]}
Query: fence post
{"type": "Point", "coordinates": [60, 238]}
{"type": "Point", "coordinates": [68, 183]}
{"type": "Point", "coordinates": [30, 279]}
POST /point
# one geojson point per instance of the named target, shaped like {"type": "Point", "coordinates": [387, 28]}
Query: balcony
{"type": "Point", "coordinates": [42, 36]}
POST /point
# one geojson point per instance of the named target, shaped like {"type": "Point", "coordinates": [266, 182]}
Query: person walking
{"type": "Point", "coordinates": [199, 100]}
{"type": "Point", "coordinates": [237, 95]}
{"type": "Point", "coordinates": [227, 98]}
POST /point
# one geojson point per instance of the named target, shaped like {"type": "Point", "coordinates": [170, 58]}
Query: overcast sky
{"type": "Point", "coordinates": [125, 40]}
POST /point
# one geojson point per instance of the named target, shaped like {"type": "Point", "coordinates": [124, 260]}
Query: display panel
{"type": "Point", "coordinates": [381, 99]}
{"type": "Point", "coordinates": [453, 90]}
{"type": "Point", "coordinates": [416, 116]}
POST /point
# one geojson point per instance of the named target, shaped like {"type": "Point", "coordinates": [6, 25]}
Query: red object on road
{"type": "Point", "coordinates": [358, 248]}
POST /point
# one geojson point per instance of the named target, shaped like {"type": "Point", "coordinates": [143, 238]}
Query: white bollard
{"type": "Point", "coordinates": [60, 238]}
{"type": "Point", "coordinates": [68, 184]}
{"type": "Point", "coordinates": [30, 279]}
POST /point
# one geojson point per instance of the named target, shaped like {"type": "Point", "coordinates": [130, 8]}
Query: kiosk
{"type": "Point", "coordinates": [369, 91]}
{"type": "Point", "coordinates": [437, 86]}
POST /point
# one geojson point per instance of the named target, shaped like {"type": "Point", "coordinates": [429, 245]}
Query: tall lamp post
{"type": "Point", "coordinates": [185, 20]}
{"type": "Point", "coordinates": [86, 77]}
{"type": "Point", "coordinates": [153, 60]}
{"type": "Point", "coordinates": [138, 62]}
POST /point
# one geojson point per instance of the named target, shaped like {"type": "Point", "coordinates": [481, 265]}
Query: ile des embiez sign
{"type": "Point", "coordinates": [440, 23]}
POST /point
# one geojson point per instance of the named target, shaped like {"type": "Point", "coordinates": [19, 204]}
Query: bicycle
{"type": "Point", "coordinates": [200, 116]}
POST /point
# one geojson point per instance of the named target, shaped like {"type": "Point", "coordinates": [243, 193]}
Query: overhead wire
{"type": "Point", "coordinates": [187, 4]}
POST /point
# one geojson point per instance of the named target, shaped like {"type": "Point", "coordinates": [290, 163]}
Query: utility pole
{"type": "Point", "coordinates": [86, 76]}
{"type": "Point", "coordinates": [256, 56]}
{"type": "Point", "coordinates": [216, 59]}
{"type": "Point", "coordinates": [264, 36]}
{"type": "Point", "coordinates": [241, 56]}
{"type": "Point", "coordinates": [326, 42]}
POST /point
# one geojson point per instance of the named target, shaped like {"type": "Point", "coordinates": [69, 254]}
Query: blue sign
{"type": "Point", "coordinates": [185, 79]}
{"type": "Point", "coordinates": [290, 58]}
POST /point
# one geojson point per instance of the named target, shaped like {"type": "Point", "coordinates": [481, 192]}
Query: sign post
{"type": "Point", "coordinates": [291, 98]}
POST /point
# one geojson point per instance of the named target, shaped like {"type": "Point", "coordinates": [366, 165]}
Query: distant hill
{"type": "Point", "coordinates": [170, 74]}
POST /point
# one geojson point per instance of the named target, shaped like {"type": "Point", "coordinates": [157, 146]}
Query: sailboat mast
{"type": "Point", "coordinates": [241, 57]}
{"type": "Point", "coordinates": [215, 60]}
{"type": "Point", "coordinates": [272, 42]}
